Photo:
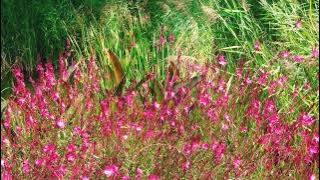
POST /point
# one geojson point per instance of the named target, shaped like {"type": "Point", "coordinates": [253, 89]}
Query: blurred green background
{"type": "Point", "coordinates": [201, 28]}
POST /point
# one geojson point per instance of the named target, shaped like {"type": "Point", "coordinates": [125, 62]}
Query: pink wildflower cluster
{"type": "Point", "coordinates": [67, 127]}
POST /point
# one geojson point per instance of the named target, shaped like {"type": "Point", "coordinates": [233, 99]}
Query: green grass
{"type": "Point", "coordinates": [201, 27]}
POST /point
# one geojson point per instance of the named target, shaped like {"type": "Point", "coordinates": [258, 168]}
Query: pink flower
{"type": "Point", "coordinates": [196, 67]}
{"type": "Point", "coordinates": [226, 117]}
{"type": "Point", "coordinates": [125, 137]}
{"type": "Point", "coordinates": [282, 80]}
{"type": "Point", "coordinates": [195, 144]}
{"type": "Point", "coordinates": [60, 123]}
{"type": "Point", "coordinates": [138, 173]}
{"type": "Point", "coordinates": [243, 129]}
{"type": "Point", "coordinates": [263, 77]}
{"type": "Point", "coordinates": [256, 46]}
{"type": "Point", "coordinates": [138, 128]}
{"type": "Point", "coordinates": [70, 157]}
{"type": "Point", "coordinates": [274, 118]}
{"type": "Point", "coordinates": [273, 84]}
{"type": "Point", "coordinates": [306, 119]}
{"type": "Point", "coordinates": [205, 146]}
{"type": "Point", "coordinates": [110, 170]}
{"type": "Point", "coordinates": [71, 147]}
{"type": "Point", "coordinates": [236, 162]}
{"type": "Point", "coordinates": [60, 170]}
{"type": "Point", "coordinates": [63, 72]}
{"type": "Point", "coordinates": [218, 150]}
{"type": "Point", "coordinates": [239, 72]}
{"type": "Point", "coordinates": [186, 149]}
{"type": "Point", "coordinates": [224, 126]}
{"type": "Point", "coordinates": [312, 177]}
{"type": "Point", "coordinates": [150, 134]}
{"type": "Point", "coordinates": [316, 138]}
{"type": "Point", "coordinates": [55, 95]}
{"type": "Point", "coordinates": [212, 114]}
{"type": "Point", "coordinates": [19, 130]}
{"type": "Point", "coordinates": [313, 149]}
{"type": "Point", "coordinates": [5, 141]}
{"type": "Point", "coordinates": [307, 85]}
{"type": "Point", "coordinates": [156, 105]}
{"type": "Point", "coordinates": [162, 40]}
{"type": "Point", "coordinates": [125, 177]}
{"type": "Point", "coordinates": [153, 177]}
{"type": "Point", "coordinates": [298, 24]}
{"type": "Point", "coordinates": [284, 54]}
{"type": "Point", "coordinates": [84, 178]}
{"type": "Point", "coordinates": [38, 162]}
{"type": "Point", "coordinates": [104, 107]}
{"type": "Point", "coordinates": [186, 165]}
{"type": "Point", "coordinates": [186, 109]}
{"type": "Point", "coordinates": [25, 166]}
{"type": "Point", "coordinates": [314, 52]}
{"type": "Point", "coordinates": [48, 148]}
{"type": "Point", "coordinates": [204, 99]}
{"type": "Point", "coordinates": [254, 109]}
{"type": "Point", "coordinates": [30, 120]}
{"type": "Point", "coordinates": [269, 106]}
{"type": "Point", "coordinates": [248, 80]}
{"type": "Point", "coordinates": [222, 85]}
{"type": "Point", "coordinates": [297, 58]}
{"type": "Point", "coordinates": [77, 130]}
{"type": "Point", "coordinates": [6, 175]}
{"type": "Point", "coordinates": [62, 107]}
{"type": "Point", "coordinates": [221, 60]}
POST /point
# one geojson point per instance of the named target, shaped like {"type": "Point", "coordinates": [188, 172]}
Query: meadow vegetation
{"type": "Point", "coordinates": [145, 89]}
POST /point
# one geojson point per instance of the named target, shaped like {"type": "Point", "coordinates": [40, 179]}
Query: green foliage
{"type": "Point", "coordinates": [201, 28]}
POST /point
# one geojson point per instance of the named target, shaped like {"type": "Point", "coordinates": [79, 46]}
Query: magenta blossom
{"type": "Point", "coordinates": [70, 157]}
{"type": "Point", "coordinates": [256, 46]}
{"type": "Point", "coordinates": [284, 54]}
{"type": "Point", "coordinates": [25, 166]}
{"type": "Point", "coordinates": [218, 149]}
{"type": "Point", "coordinates": [312, 177]}
{"type": "Point", "coordinates": [262, 78]}
{"type": "Point", "coordinates": [306, 119]}
{"type": "Point", "coordinates": [38, 162]}
{"type": "Point", "coordinates": [162, 40]}
{"type": "Point", "coordinates": [110, 170]}
{"type": "Point", "coordinates": [297, 58]}
{"type": "Point", "coordinates": [138, 173]}
{"type": "Point", "coordinates": [205, 146]}
{"type": "Point", "coordinates": [298, 24]}
{"type": "Point", "coordinates": [84, 178]}
{"type": "Point", "coordinates": [60, 123]}
{"type": "Point", "coordinates": [204, 99]}
{"type": "Point", "coordinates": [221, 60]}
{"type": "Point", "coordinates": [269, 106]}
{"type": "Point", "coordinates": [186, 165]}
{"type": "Point", "coordinates": [212, 114]}
{"type": "Point", "coordinates": [314, 52]}
{"type": "Point", "coordinates": [236, 162]}
{"type": "Point", "coordinates": [224, 126]}
{"type": "Point", "coordinates": [125, 177]}
{"type": "Point", "coordinates": [153, 177]}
